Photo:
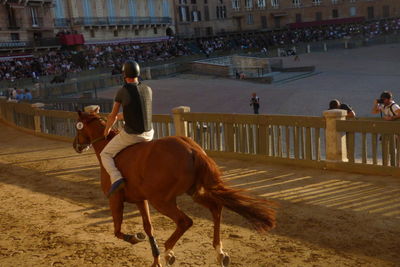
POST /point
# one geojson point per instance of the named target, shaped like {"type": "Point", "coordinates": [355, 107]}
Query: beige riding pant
{"type": "Point", "coordinates": [118, 143]}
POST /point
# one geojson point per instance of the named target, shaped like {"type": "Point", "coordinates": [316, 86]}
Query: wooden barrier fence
{"type": "Point", "coordinates": [331, 142]}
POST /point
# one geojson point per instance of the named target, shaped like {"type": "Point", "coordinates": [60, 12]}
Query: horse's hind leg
{"type": "Point", "coordinates": [148, 228]}
{"type": "Point", "coordinates": [216, 210]}
{"type": "Point", "coordinates": [182, 221]}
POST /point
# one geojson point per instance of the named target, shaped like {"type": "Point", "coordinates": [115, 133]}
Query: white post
{"type": "Point", "coordinates": [335, 141]}
{"type": "Point", "coordinates": [325, 47]}
{"type": "Point", "coordinates": [180, 124]}
{"type": "Point", "coordinates": [148, 73]}
{"type": "Point", "coordinates": [346, 44]}
{"type": "Point", "coordinates": [308, 49]}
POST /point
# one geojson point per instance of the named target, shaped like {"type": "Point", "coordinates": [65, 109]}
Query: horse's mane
{"type": "Point", "coordinates": [90, 116]}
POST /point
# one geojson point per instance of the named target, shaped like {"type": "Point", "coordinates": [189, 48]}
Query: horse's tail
{"type": "Point", "coordinates": [209, 185]}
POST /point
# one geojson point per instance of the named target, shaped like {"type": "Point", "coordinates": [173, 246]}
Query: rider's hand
{"type": "Point", "coordinates": [107, 131]}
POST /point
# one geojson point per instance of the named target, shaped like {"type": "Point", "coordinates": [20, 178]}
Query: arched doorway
{"type": "Point", "coordinates": [169, 32]}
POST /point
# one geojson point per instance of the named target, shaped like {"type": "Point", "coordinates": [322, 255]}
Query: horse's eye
{"type": "Point", "coordinates": [79, 125]}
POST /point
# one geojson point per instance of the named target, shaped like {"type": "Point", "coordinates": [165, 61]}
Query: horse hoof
{"type": "Point", "coordinates": [170, 258]}
{"type": "Point", "coordinates": [224, 259]}
{"type": "Point", "coordinates": [140, 237]}
{"type": "Point", "coordinates": [136, 238]}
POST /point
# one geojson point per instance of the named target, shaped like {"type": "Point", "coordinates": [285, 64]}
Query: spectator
{"type": "Point", "coordinates": [335, 104]}
{"type": "Point", "coordinates": [386, 106]}
{"type": "Point", "coordinates": [255, 102]}
{"type": "Point", "coordinates": [28, 95]}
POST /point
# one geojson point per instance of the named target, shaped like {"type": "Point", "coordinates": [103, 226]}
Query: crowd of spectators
{"type": "Point", "coordinates": [365, 30]}
{"type": "Point", "coordinates": [94, 56]}
{"type": "Point", "coordinates": [17, 94]}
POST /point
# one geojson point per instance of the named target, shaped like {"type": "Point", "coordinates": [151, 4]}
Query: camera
{"type": "Point", "coordinates": [380, 101]}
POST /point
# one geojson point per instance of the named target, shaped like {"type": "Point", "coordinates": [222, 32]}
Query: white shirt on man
{"type": "Point", "coordinates": [389, 110]}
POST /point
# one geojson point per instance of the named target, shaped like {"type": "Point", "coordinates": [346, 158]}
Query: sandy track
{"type": "Point", "coordinates": [52, 213]}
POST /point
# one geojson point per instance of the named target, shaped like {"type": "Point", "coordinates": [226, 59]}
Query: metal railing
{"type": "Point", "coordinates": [106, 21]}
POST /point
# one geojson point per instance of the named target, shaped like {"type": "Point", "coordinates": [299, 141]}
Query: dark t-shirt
{"type": "Point", "coordinates": [136, 101]}
{"type": "Point", "coordinates": [346, 107]}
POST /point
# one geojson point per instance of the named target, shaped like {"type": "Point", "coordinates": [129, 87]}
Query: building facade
{"type": "Point", "coordinates": [25, 23]}
{"type": "Point", "coordinates": [105, 20]}
{"type": "Point", "coordinates": [274, 14]}
{"type": "Point", "coordinates": [200, 18]}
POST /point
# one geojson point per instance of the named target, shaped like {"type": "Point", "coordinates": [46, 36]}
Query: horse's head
{"type": "Point", "coordinates": [89, 129]}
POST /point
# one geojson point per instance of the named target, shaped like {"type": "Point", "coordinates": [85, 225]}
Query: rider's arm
{"type": "Point", "coordinates": [120, 116]}
{"type": "Point", "coordinates": [112, 117]}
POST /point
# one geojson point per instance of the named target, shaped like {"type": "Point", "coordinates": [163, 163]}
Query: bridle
{"type": "Point", "coordinates": [86, 146]}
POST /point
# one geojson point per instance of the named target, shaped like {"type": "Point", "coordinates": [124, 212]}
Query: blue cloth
{"type": "Point", "coordinates": [28, 96]}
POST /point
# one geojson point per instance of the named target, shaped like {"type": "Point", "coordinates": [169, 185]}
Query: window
{"type": "Point", "coordinates": [277, 22]}
{"type": "Point", "coordinates": [370, 12]}
{"type": "Point", "coordinates": [155, 30]}
{"type": "Point", "coordinates": [235, 4]}
{"type": "Point", "coordinates": [115, 33]}
{"type": "Point", "coordinates": [261, 4]}
{"type": "Point", "coordinates": [193, 1]}
{"type": "Point", "coordinates": [264, 22]}
{"type": "Point", "coordinates": [353, 11]}
{"type": "Point", "coordinates": [205, 1]}
{"type": "Point", "coordinates": [296, 3]}
{"type": "Point", "coordinates": [11, 18]}
{"type": "Point", "coordinates": [92, 33]}
{"type": "Point", "coordinates": [182, 2]}
{"type": "Point", "coordinates": [275, 3]}
{"type": "Point", "coordinates": [318, 16]}
{"type": "Point", "coordinates": [184, 14]}
{"type": "Point", "coordinates": [248, 4]}
{"type": "Point", "coordinates": [250, 19]}
{"type": "Point", "coordinates": [221, 12]}
{"type": "Point", "coordinates": [196, 16]}
{"type": "Point", "coordinates": [335, 13]}
{"type": "Point", "coordinates": [35, 19]}
{"type": "Point", "coordinates": [335, 2]}
{"type": "Point", "coordinates": [206, 13]}
{"type": "Point", "coordinates": [209, 31]}
{"type": "Point", "coordinates": [316, 2]}
{"type": "Point", "coordinates": [385, 11]}
{"type": "Point", "coordinates": [298, 17]}
{"type": "Point", "coordinates": [136, 32]}
{"type": "Point", "coordinates": [15, 36]}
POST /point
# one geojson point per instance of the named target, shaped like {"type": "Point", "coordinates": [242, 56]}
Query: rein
{"type": "Point", "coordinates": [98, 139]}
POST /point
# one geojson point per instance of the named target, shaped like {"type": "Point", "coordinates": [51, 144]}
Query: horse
{"type": "Point", "coordinates": [159, 171]}
{"type": "Point", "coordinates": [59, 78]}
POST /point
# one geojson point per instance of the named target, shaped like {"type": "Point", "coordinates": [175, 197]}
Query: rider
{"type": "Point", "coordinates": [136, 101]}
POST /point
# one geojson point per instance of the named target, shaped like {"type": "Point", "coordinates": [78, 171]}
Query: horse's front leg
{"type": "Point", "coordinates": [117, 210]}
{"type": "Point", "coordinates": [143, 207]}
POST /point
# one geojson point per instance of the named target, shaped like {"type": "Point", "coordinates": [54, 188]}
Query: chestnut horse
{"type": "Point", "coordinates": [159, 171]}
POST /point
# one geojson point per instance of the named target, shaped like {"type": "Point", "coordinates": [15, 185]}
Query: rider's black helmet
{"type": "Point", "coordinates": [131, 69]}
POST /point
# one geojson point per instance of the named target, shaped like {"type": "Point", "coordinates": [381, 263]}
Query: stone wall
{"type": "Point", "coordinates": [210, 69]}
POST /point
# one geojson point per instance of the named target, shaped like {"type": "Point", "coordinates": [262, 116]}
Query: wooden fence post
{"type": "Point", "coordinates": [36, 116]}
{"type": "Point", "coordinates": [181, 128]}
{"type": "Point", "coordinates": [335, 141]}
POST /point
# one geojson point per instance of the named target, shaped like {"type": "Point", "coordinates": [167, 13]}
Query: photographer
{"type": "Point", "coordinates": [335, 104]}
{"type": "Point", "coordinates": [387, 107]}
